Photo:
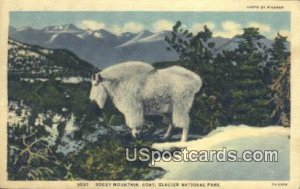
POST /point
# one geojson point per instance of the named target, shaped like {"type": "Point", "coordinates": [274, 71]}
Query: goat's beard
{"type": "Point", "coordinates": [99, 95]}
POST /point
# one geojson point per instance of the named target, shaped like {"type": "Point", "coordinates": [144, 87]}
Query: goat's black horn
{"type": "Point", "coordinates": [100, 78]}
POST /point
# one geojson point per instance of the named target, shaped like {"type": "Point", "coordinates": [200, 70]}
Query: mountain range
{"type": "Point", "coordinates": [103, 48]}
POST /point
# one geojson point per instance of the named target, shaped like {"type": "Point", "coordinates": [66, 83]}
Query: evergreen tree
{"type": "Point", "coordinates": [280, 86]}
{"type": "Point", "coordinates": [248, 93]}
{"type": "Point", "coordinates": [195, 50]}
{"type": "Point", "coordinates": [279, 52]}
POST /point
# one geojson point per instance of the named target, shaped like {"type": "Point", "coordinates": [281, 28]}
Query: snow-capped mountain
{"type": "Point", "coordinates": [124, 37]}
{"type": "Point", "coordinates": [69, 28]}
{"type": "Point", "coordinates": [137, 38]}
{"type": "Point", "coordinates": [101, 47]}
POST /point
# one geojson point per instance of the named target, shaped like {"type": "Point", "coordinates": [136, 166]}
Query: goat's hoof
{"type": "Point", "coordinates": [183, 140]}
{"type": "Point", "coordinates": [166, 137]}
{"type": "Point", "coordinates": [137, 136]}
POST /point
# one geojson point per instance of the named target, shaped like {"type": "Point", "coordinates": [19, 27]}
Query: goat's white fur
{"type": "Point", "coordinates": [138, 89]}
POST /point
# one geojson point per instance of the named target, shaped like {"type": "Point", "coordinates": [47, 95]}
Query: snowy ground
{"type": "Point", "coordinates": [237, 138]}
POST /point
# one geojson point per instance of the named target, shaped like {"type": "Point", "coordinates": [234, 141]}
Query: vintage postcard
{"type": "Point", "coordinates": [148, 94]}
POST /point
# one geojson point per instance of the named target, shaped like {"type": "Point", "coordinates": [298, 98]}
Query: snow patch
{"type": "Point", "coordinates": [73, 80]}
{"type": "Point", "coordinates": [21, 52]}
{"type": "Point", "coordinates": [237, 138]}
{"type": "Point", "coordinates": [32, 80]}
{"type": "Point", "coordinates": [80, 36]}
{"type": "Point", "coordinates": [53, 37]}
{"type": "Point", "coordinates": [70, 126]}
{"type": "Point", "coordinates": [97, 35]}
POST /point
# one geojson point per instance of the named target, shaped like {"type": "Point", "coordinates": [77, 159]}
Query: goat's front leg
{"type": "Point", "coordinates": [134, 133]}
{"type": "Point", "coordinates": [134, 121]}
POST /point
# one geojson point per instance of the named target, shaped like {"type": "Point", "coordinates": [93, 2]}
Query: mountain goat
{"type": "Point", "coordinates": [138, 89]}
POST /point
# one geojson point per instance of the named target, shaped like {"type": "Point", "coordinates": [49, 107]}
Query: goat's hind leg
{"type": "Point", "coordinates": [169, 131]}
{"type": "Point", "coordinates": [185, 132]}
{"type": "Point", "coordinates": [181, 117]}
{"type": "Point", "coordinates": [182, 120]}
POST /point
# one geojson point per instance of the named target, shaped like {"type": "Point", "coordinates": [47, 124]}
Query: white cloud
{"type": "Point", "coordinates": [229, 29]}
{"type": "Point", "coordinates": [264, 28]}
{"type": "Point", "coordinates": [231, 26]}
{"type": "Point", "coordinates": [133, 27]}
{"type": "Point", "coordinates": [116, 29]}
{"type": "Point", "coordinates": [199, 27]}
{"type": "Point", "coordinates": [92, 25]}
{"type": "Point", "coordinates": [162, 25]}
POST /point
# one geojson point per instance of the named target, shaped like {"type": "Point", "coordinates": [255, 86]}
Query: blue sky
{"type": "Point", "coordinates": [226, 24]}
